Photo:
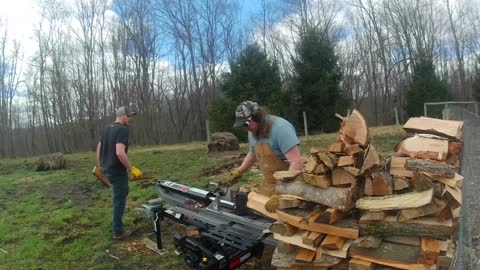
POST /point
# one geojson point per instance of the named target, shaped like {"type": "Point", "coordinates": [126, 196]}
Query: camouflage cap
{"type": "Point", "coordinates": [243, 113]}
{"type": "Point", "coordinates": [124, 110]}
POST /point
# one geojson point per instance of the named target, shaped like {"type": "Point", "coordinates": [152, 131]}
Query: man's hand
{"type": "Point", "coordinates": [235, 174]}
{"type": "Point", "coordinates": [136, 172]}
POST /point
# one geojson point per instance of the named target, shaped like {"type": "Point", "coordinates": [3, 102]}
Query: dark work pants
{"type": "Point", "coordinates": [119, 196]}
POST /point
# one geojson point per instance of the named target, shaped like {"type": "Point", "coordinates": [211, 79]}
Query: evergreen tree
{"type": "Point", "coordinates": [252, 77]}
{"type": "Point", "coordinates": [425, 87]}
{"type": "Point", "coordinates": [316, 82]}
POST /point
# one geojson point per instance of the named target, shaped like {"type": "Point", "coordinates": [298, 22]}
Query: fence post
{"type": "Point", "coordinates": [396, 116]}
{"type": "Point", "coordinates": [348, 112]}
{"type": "Point", "coordinates": [305, 124]}
{"type": "Point", "coordinates": [207, 127]}
{"type": "Point", "coordinates": [476, 109]}
{"type": "Point", "coordinates": [425, 109]}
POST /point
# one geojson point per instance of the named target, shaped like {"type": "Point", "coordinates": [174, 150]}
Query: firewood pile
{"type": "Point", "coordinates": [351, 208]}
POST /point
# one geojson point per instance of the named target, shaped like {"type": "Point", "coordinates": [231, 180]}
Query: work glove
{"type": "Point", "coordinates": [135, 172]}
{"type": "Point", "coordinates": [235, 174]}
{"type": "Point", "coordinates": [272, 204]}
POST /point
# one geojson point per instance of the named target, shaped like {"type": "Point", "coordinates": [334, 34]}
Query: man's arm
{"type": "Point", "coordinates": [294, 158]}
{"type": "Point", "coordinates": [122, 156]}
{"type": "Point", "coordinates": [99, 154]}
{"type": "Point", "coordinates": [248, 162]}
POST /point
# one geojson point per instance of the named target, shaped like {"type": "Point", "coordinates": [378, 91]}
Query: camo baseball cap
{"type": "Point", "coordinates": [244, 112]}
{"type": "Point", "coordinates": [124, 110]}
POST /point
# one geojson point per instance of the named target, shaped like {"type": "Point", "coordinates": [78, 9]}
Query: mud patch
{"type": "Point", "coordinates": [80, 194]}
{"type": "Point", "coordinates": [230, 163]}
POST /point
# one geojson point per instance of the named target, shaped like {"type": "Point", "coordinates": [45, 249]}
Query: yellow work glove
{"type": "Point", "coordinates": [234, 175]}
{"type": "Point", "coordinates": [272, 204]}
{"type": "Point", "coordinates": [136, 172]}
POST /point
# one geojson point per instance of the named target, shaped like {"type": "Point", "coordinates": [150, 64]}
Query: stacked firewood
{"type": "Point", "coordinates": [353, 209]}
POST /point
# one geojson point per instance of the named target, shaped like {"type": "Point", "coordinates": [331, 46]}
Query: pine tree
{"type": "Point", "coordinates": [425, 87]}
{"type": "Point", "coordinates": [316, 82]}
{"type": "Point", "coordinates": [252, 77]}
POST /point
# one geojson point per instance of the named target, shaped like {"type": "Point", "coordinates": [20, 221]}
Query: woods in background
{"type": "Point", "coordinates": [179, 63]}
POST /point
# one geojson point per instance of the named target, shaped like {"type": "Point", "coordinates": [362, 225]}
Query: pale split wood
{"type": "Point", "coordinates": [295, 239]}
{"type": "Point", "coordinates": [311, 165]}
{"type": "Point", "coordinates": [342, 177]}
{"type": "Point", "coordinates": [341, 253]}
{"type": "Point", "coordinates": [332, 242]}
{"type": "Point", "coordinates": [352, 170]}
{"type": "Point", "coordinates": [323, 181]}
{"type": "Point", "coordinates": [396, 202]}
{"type": "Point", "coordinates": [400, 183]}
{"type": "Point", "coordinates": [456, 181]}
{"type": "Point", "coordinates": [357, 264]}
{"type": "Point", "coordinates": [449, 128]}
{"type": "Point", "coordinates": [283, 228]}
{"type": "Point", "coordinates": [336, 147]}
{"type": "Point", "coordinates": [372, 216]}
{"type": "Point", "coordinates": [305, 255]}
{"type": "Point", "coordinates": [353, 149]}
{"type": "Point", "coordinates": [286, 175]}
{"type": "Point", "coordinates": [371, 159]}
{"type": "Point", "coordinates": [329, 162]}
{"type": "Point", "coordinates": [397, 167]}
{"type": "Point", "coordinates": [423, 147]}
{"type": "Point", "coordinates": [453, 195]}
{"type": "Point", "coordinates": [354, 129]}
{"type": "Point", "coordinates": [346, 161]}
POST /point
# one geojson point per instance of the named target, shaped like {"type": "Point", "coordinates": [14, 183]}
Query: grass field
{"type": "Point", "coordinates": [61, 219]}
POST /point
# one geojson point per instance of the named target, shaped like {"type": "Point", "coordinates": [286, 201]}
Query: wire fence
{"type": "Point", "coordinates": [468, 237]}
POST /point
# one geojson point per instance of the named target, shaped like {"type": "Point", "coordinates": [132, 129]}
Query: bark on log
{"type": "Point", "coordinates": [338, 198]}
{"type": "Point", "coordinates": [430, 166]}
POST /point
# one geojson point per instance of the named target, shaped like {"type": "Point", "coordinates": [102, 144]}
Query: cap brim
{"type": "Point", "coordinates": [239, 122]}
{"type": "Point", "coordinates": [132, 114]}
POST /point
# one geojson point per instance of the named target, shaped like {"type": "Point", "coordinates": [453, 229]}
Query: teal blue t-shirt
{"type": "Point", "coordinates": [282, 137]}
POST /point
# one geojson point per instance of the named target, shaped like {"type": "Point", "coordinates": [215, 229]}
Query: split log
{"type": "Point", "coordinates": [389, 254]}
{"type": "Point", "coordinates": [453, 196]}
{"type": "Point", "coordinates": [370, 160]}
{"type": "Point", "coordinates": [424, 147]}
{"type": "Point", "coordinates": [340, 253]}
{"type": "Point", "coordinates": [288, 202]}
{"type": "Point", "coordinates": [311, 164]}
{"type": "Point", "coordinates": [352, 170]}
{"type": "Point", "coordinates": [456, 181]}
{"type": "Point", "coordinates": [400, 183]}
{"type": "Point", "coordinates": [338, 198]}
{"type": "Point", "coordinates": [367, 242]}
{"type": "Point", "coordinates": [431, 166]}
{"type": "Point", "coordinates": [323, 181]}
{"type": "Point", "coordinates": [421, 182]}
{"type": "Point", "coordinates": [353, 149]}
{"type": "Point", "coordinates": [430, 251]}
{"type": "Point", "coordinates": [337, 147]}
{"type": "Point", "coordinates": [329, 216]}
{"type": "Point", "coordinates": [332, 242]}
{"type": "Point", "coordinates": [286, 175]}
{"type": "Point", "coordinates": [329, 162]}
{"type": "Point", "coordinates": [396, 202]}
{"type": "Point", "coordinates": [314, 150]}
{"type": "Point", "coordinates": [101, 177]}
{"type": "Point", "coordinates": [283, 228]}
{"type": "Point", "coordinates": [346, 161]}
{"type": "Point", "coordinates": [411, 213]}
{"type": "Point", "coordinates": [312, 238]}
{"type": "Point", "coordinates": [397, 167]}
{"type": "Point", "coordinates": [420, 227]}
{"type": "Point", "coordinates": [448, 128]}
{"type": "Point", "coordinates": [342, 177]}
{"type": "Point", "coordinates": [321, 169]}
{"type": "Point", "coordinates": [372, 216]}
{"type": "Point", "coordinates": [357, 264]}
{"type": "Point", "coordinates": [54, 161]}
{"type": "Point", "coordinates": [380, 183]}
{"type": "Point", "coordinates": [305, 255]}
{"type": "Point", "coordinates": [353, 129]}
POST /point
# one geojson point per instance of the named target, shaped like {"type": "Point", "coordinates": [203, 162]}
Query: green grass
{"type": "Point", "coordinates": [61, 219]}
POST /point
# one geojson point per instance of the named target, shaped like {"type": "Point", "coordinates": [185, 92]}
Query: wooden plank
{"type": "Point", "coordinates": [392, 264]}
{"type": "Point", "coordinates": [342, 177]}
{"type": "Point", "coordinates": [338, 198]}
{"type": "Point", "coordinates": [341, 253]}
{"type": "Point", "coordinates": [323, 181]}
{"type": "Point", "coordinates": [448, 128]}
{"type": "Point", "coordinates": [423, 147]}
{"type": "Point", "coordinates": [397, 167]}
{"type": "Point", "coordinates": [286, 175]}
{"type": "Point", "coordinates": [357, 264]}
{"type": "Point", "coordinates": [295, 239]}
{"type": "Point", "coordinates": [332, 242]}
{"type": "Point", "coordinates": [431, 166]}
{"type": "Point", "coordinates": [346, 161]}
{"type": "Point", "coordinates": [317, 227]}
{"type": "Point", "coordinates": [396, 202]}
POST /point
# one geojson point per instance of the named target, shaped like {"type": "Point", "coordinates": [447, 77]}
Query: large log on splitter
{"type": "Point", "coordinates": [338, 198]}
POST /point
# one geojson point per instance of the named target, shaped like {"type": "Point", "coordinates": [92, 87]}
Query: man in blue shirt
{"type": "Point", "coordinates": [273, 143]}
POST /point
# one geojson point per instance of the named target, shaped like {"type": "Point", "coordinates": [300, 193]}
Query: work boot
{"type": "Point", "coordinates": [121, 235]}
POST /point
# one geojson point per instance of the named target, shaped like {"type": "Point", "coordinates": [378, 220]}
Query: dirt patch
{"type": "Point", "coordinates": [231, 161]}
{"type": "Point", "coordinates": [80, 194]}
